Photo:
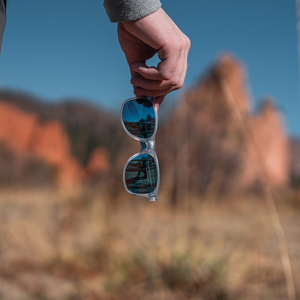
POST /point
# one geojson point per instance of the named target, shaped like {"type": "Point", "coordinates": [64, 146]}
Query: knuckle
{"type": "Point", "coordinates": [137, 90]}
{"type": "Point", "coordinates": [133, 81]}
{"type": "Point", "coordinates": [188, 42]}
{"type": "Point", "coordinates": [173, 81]}
{"type": "Point", "coordinates": [166, 74]}
{"type": "Point", "coordinates": [183, 43]}
{"type": "Point", "coordinates": [180, 83]}
{"type": "Point", "coordinates": [180, 44]}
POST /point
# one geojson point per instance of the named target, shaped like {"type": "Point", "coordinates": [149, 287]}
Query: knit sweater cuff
{"type": "Point", "coordinates": [130, 10]}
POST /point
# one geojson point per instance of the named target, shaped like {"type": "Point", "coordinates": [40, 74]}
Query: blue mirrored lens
{"type": "Point", "coordinates": [141, 174]}
{"type": "Point", "coordinates": [139, 117]}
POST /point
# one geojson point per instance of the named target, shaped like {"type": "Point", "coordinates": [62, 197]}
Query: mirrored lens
{"type": "Point", "coordinates": [141, 174]}
{"type": "Point", "coordinates": [139, 117]}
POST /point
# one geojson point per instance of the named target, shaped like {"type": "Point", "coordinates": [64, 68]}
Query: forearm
{"type": "Point", "coordinates": [130, 10]}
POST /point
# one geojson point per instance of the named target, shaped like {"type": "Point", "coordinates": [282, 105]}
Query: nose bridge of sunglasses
{"type": "Point", "coordinates": [148, 145]}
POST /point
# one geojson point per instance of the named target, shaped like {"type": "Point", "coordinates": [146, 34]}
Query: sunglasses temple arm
{"type": "Point", "coordinates": [145, 146]}
{"type": "Point", "coordinates": [154, 196]}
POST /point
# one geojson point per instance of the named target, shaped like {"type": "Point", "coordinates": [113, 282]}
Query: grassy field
{"type": "Point", "coordinates": [62, 245]}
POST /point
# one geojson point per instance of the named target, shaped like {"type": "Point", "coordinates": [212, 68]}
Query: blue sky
{"type": "Point", "coordinates": [68, 48]}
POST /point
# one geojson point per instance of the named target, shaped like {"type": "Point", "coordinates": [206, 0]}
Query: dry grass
{"type": "Point", "coordinates": [65, 246]}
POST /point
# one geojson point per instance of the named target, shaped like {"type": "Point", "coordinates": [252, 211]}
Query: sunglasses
{"type": "Point", "coordinates": [141, 173]}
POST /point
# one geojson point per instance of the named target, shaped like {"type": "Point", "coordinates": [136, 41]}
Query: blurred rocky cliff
{"type": "Point", "coordinates": [217, 143]}
{"type": "Point", "coordinates": [212, 143]}
{"type": "Point", "coordinates": [65, 144]}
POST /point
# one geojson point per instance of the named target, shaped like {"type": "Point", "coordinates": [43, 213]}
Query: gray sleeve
{"type": "Point", "coordinates": [2, 19]}
{"type": "Point", "coordinates": [130, 10]}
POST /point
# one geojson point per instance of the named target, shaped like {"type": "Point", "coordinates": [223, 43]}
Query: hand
{"type": "Point", "coordinates": [142, 39]}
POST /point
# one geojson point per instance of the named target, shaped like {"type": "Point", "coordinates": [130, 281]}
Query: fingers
{"type": "Point", "coordinates": [146, 72]}
{"type": "Point", "coordinates": [142, 39]}
{"type": "Point", "coordinates": [169, 56]}
{"type": "Point", "coordinates": [155, 82]}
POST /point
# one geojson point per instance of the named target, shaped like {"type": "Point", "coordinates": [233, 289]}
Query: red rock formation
{"type": "Point", "coordinates": [49, 142]}
{"type": "Point", "coordinates": [216, 141]}
{"type": "Point", "coordinates": [268, 147]}
{"type": "Point", "coordinates": [24, 134]}
{"type": "Point", "coordinates": [16, 127]}
{"type": "Point", "coordinates": [98, 161]}
{"type": "Point", "coordinates": [229, 69]}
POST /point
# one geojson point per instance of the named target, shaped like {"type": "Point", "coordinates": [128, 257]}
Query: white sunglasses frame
{"type": "Point", "coordinates": [147, 147]}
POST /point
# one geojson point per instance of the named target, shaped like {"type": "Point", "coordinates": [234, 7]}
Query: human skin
{"type": "Point", "coordinates": [142, 39]}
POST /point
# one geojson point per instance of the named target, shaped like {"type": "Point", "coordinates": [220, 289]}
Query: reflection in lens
{"type": "Point", "coordinates": [139, 117]}
{"type": "Point", "coordinates": [141, 174]}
